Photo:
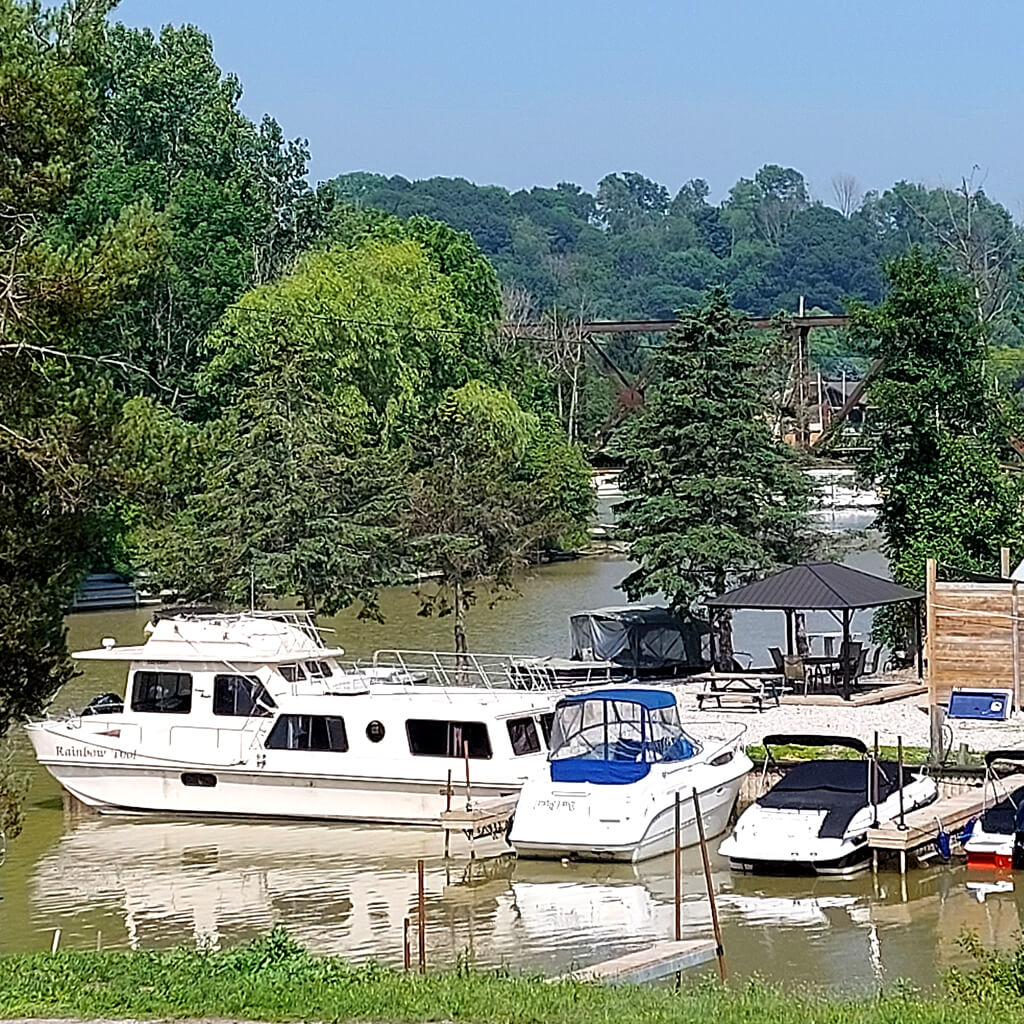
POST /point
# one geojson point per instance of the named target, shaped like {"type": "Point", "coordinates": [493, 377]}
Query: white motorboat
{"type": "Point", "coordinates": [251, 714]}
{"type": "Point", "coordinates": [996, 839]}
{"type": "Point", "coordinates": [816, 817]}
{"type": "Point", "coordinates": [618, 758]}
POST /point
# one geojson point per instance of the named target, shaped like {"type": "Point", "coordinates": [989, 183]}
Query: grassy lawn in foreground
{"type": "Point", "coordinates": [273, 979]}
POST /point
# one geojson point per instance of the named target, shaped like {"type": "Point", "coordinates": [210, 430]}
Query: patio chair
{"type": "Point", "coordinates": [777, 660]}
{"type": "Point", "coordinates": [876, 654]}
{"type": "Point", "coordinates": [794, 671]}
{"type": "Point", "coordinates": [856, 661]}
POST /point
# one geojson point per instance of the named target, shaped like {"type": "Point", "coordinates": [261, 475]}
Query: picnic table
{"type": "Point", "coordinates": [752, 688]}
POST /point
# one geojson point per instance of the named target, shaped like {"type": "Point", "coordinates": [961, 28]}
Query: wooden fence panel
{"type": "Point", "coordinates": [974, 639]}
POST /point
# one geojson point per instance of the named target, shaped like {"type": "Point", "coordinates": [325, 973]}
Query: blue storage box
{"type": "Point", "coordinates": [983, 705]}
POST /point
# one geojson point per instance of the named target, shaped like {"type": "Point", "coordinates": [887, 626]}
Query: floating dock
{"type": "Point", "coordinates": [921, 826]}
{"type": "Point", "coordinates": [669, 956]}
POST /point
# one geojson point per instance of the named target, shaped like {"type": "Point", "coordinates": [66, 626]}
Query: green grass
{"type": "Point", "coordinates": [911, 755]}
{"type": "Point", "coordinates": [273, 979]}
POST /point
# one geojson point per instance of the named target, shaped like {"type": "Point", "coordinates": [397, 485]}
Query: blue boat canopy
{"type": "Point", "coordinates": [645, 698]}
{"type": "Point", "coordinates": [613, 736]}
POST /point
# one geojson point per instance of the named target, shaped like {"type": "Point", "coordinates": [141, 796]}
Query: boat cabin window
{"type": "Point", "coordinates": [523, 734]}
{"type": "Point", "coordinates": [292, 672]}
{"type": "Point", "coordinates": [547, 722]}
{"type": "Point", "coordinates": [318, 669]}
{"type": "Point", "coordinates": [429, 737]}
{"type": "Point", "coordinates": [167, 693]}
{"type": "Point", "coordinates": [308, 732]}
{"type": "Point", "coordinates": [241, 696]}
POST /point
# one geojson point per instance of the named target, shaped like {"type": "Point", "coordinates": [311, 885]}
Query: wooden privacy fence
{"type": "Point", "coordinates": [974, 637]}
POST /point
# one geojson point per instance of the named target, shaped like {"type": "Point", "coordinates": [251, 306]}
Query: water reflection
{"type": "Point", "coordinates": [346, 890]}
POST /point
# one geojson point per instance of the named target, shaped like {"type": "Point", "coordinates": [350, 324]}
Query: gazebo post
{"type": "Point", "coordinates": [920, 638]}
{"type": "Point", "coordinates": [789, 632]}
{"type": "Point", "coordinates": [844, 653]}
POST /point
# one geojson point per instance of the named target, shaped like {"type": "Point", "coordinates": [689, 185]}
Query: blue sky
{"type": "Point", "coordinates": [536, 93]}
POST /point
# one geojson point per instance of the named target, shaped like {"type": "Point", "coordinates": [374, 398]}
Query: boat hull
{"type": "Point", "coordinates": [108, 780]}
{"type": "Point", "coordinates": [592, 822]}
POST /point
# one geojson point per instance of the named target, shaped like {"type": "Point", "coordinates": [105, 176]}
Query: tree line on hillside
{"type": "Point", "coordinates": [632, 249]}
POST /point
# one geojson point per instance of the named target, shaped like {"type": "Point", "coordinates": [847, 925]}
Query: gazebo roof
{"type": "Point", "coordinates": [816, 585]}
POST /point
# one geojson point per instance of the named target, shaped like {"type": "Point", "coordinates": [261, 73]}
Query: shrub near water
{"type": "Point", "coordinates": [276, 979]}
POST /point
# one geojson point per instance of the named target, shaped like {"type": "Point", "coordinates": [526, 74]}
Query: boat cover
{"type": "Point", "coordinates": [840, 788]}
{"type": "Point", "coordinates": [639, 637]}
{"type": "Point", "coordinates": [1007, 816]}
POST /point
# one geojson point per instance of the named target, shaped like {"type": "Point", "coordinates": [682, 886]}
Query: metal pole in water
{"type": "Point", "coordinates": [421, 917]}
{"type": "Point", "coordinates": [720, 950]}
{"type": "Point", "coordinates": [679, 881]}
{"type": "Point", "coordinates": [448, 807]}
{"type": "Point", "coordinates": [874, 770]}
{"type": "Point", "coordinates": [56, 940]}
{"type": "Point", "coordinates": [406, 951]}
{"type": "Point", "coordinates": [899, 768]}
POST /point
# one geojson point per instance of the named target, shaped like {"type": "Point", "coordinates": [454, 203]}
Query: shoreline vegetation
{"type": "Point", "coordinates": [275, 979]}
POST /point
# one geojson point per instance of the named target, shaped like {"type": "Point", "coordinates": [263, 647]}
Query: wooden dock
{"type": "Point", "coordinates": [921, 827]}
{"type": "Point", "coordinates": [487, 820]}
{"type": "Point", "coordinates": [864, 698]}
{"type": "Point", "coordinates": [656, 961]}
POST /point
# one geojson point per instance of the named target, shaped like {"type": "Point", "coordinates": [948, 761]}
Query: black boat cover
{"type": "Point", "coordinates": [838, 787]}
{"type": "Point", "coordinates": [1004, 818]}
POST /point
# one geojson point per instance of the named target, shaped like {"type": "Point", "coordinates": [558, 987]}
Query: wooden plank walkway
{"type": "Point", "coordinates": [881, 695]}
{"type": "Point", "coordinates": [655, 961]}
{"type": "Point", "coordinates": [921, 828]}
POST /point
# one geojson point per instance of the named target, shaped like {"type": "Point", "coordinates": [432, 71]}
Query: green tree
{"type": "Point", "coordinates": [237, 210]}
{"type": "Point", "coordinates": [936, 435]}
{"type": "Point", "coordinates": [491, 488]}
{"type": "Point", "coordinates": [56, 411]}
{"type": "Point", "coordinates": [712, 498]}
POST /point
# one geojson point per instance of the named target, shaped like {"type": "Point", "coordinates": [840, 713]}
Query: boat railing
{"type": "Point", "coordinates": [451, 669]}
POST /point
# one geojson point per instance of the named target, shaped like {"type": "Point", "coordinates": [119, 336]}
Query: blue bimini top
{"type": "Point", "coordinates": [649, 699]}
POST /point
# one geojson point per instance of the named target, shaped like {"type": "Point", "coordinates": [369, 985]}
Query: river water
{"type": "Point", "coordinates": [144, 882]}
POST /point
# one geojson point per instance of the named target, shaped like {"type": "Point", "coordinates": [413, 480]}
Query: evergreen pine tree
{"type": "Point", "coordinates": [713, 499]}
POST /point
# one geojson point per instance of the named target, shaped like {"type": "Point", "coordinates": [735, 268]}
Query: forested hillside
{"type": "Point", "coordinates": [633, 249]}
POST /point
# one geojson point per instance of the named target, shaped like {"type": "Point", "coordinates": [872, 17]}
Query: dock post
{"type": "Point", "coordinates": [448, 807]}
{"type": "Point", "coordinates": [678, 874]}
{"type": "Point", "coordinates": [899, 770]}
{"type": "Point", "coordinates": [874, 787]}
{"type": "Point", "coordinates": [903, 863]}
{"type": "Point", "coordinates": [874, 862]}
{"type": "Point", "coordinates": [406, 951]}
{"type": "Point", "coordinates": [469, 794]}
{"type": "Point", "coordinates": [421, 918]}
{"type": "Point", "coordinates": [719, 948]}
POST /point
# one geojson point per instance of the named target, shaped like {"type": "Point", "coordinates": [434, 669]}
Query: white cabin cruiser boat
{"type": "Point", "coordinates": [618, 757]}
{"type": "Point", "coordinates": [816, 817]}
{"type": "Point", "coordinates": [996, 840]}
{"type": "Point", "coordinates": [250, 714]}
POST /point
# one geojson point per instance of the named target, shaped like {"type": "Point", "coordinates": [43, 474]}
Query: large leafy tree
{"type": "Point", "coordinates": [56, 409]}
{"type": "Point", "coordinates": [713, 499]}
{"type": "Point", "coordinates": [491, 487]}
{"type": "Point", "coordinates": [937, 434]}
{"type": "Point", "coordinates": [236, 206]}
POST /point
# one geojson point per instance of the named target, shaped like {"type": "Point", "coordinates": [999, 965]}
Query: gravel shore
{"type": "Point", "coordinates": [906, 718]}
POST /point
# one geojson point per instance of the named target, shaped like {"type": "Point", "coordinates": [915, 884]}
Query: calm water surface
{"type": "Point", "coordinates": [145, 882]}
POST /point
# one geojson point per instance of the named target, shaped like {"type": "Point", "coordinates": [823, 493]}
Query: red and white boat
{"type": "Point", "coordinates": [990, 845]}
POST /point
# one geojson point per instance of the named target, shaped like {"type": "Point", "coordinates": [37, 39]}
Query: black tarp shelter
{"type": "Point", "coordinates": [638, 637]}
{"type": "Point", "coordinates": [822, 586]}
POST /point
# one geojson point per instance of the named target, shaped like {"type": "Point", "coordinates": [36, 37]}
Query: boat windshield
{"type": "Point", "coordinates": [626, 726]}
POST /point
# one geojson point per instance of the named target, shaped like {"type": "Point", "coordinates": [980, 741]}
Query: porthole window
{"type": "Point", "coordinates": [375, 731]}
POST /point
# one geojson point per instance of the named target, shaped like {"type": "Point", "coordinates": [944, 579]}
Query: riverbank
{"type": "Point", "coordinates": [275, 979]}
